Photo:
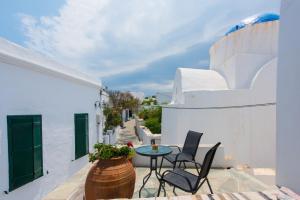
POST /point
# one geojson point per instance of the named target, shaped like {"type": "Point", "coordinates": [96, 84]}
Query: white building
{"type": "Point", "coordinates": [47, 122]}
{"type": "Point", "coordinates": [163, 97]}
{"type": "Point", "coordinates": [288, 98]}
{"type": "Point", "coordinates": [233, 102]}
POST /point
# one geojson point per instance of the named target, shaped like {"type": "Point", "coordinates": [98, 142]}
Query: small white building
{"type": "Point", "coordinates": [233, 102]}
{"type": "Point", "coordinates": [163, 97]}
{"type": "Point", "coordinates": [48, 122]}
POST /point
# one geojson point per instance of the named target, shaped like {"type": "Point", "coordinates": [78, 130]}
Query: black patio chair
{"type": "Point", "coordinates": [188, 152]}
{"type": "Point", "coordinates": [186, 181]}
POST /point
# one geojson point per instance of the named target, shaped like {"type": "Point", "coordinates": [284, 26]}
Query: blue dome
{"type": "Point", "coordinates": [256, 19]}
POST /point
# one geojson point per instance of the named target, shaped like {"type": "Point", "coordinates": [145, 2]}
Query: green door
{"type": "Point", "coordinates": [81, 135]}
{"type": "Point", "coordinates": [25, 149]}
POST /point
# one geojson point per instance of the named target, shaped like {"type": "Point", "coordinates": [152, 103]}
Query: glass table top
{"type": "Point", "coordinates": [147, 150]}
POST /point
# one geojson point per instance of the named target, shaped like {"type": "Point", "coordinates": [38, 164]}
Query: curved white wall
{"type": "Point", "coordinates": [241, 54]}
{"type": "Point", "coordinates": [264, 82]}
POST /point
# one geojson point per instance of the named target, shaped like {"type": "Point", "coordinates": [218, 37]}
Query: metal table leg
{"type": "Point", "coordinates": [153, 167]}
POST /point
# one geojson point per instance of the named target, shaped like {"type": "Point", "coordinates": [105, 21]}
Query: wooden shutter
{"type": "Point", "coordinates": [23, 134]}
{"type": "Point", "coordinates": [37, 147]}
{"type": "Point", "coordinates": [81, 135]}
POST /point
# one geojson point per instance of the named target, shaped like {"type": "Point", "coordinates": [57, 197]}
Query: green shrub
{"type": "Point", "coordinates": [151, 113]}
{"type": "Point", "coordinates": [154, 125]}
{"type": "Point", "coordinates": [156, 113]}
{"type": "Point", "coordinates": [107, 151]}
{"type": "Point", "coordinates": [143, 114]}
{"type": "Point", "coordinates": [149, 101]}
{"type": "Point", "coordinates": [152, 119]}
{"type": "Point", "coordinates": [113, 118]}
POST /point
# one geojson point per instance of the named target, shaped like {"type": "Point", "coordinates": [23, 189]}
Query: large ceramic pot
{"type": "Point", "coordinates": [110, 179]}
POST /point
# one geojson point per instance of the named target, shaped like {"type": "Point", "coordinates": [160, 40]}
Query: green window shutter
{"type": "Point", "coordinates": [21, 147]}
{"type": "Point", "coordinates": [81, 135]}
{"type": "Point", "coordinates": [37, 146]}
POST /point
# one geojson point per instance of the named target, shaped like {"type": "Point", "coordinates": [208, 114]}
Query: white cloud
{"type": "Point", "coordinates": [107, 37]}
{"type": "Point", "coordinates": [154, 86]}
{"type": "Point", "coordinates": [112, 36]}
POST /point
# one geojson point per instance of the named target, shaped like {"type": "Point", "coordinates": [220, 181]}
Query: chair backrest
{"type": "Point", "coordinates": [191, 143]}
{"type": "Point", "coordinates": [207, 162]}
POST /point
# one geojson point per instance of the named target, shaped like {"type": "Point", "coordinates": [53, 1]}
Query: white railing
{"type": "Point", "coordinates": [144, 134]}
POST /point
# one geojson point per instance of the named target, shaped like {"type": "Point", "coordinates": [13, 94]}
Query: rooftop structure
{"type": "Point", "coordinates": [256, 19]}
{"type": "Point", "coordinates": [23, 57]}
{"type": "Point", "coordinates": [231, 100]}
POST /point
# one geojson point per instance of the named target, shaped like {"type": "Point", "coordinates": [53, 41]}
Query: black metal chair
{"type": "Point", "coordinates": [188, 152]}
{"type": "Point", "coordinates": [186, 181]}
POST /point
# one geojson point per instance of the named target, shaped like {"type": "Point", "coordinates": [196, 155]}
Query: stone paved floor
{"type": "Point", "coordinates": [222, 181]}
{"type": "Point", "coordinates": [128, 134]}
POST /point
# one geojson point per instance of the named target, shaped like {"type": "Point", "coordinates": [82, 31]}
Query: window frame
{"type": "Point", "coordinates": [11, 147]}
{"type": "Point", "coordinates": [86, 142]}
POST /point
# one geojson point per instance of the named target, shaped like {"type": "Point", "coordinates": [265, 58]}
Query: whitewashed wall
{"type": "Point", "coordinates": [26, 91]}
{"type": "Point", "coordinates": [247, 133]}
{"type": "Point", "coordinates": [243, 120]}
{"type": "Point", "coordinates": [288, 97]}
{"type": "Point", "coordinates": [233, 102]}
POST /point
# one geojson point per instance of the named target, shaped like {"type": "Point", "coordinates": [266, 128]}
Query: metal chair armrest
{"type": "Point", "coordinates": [197, 165]}
{"type": "Point", "coordinates": [177, 155]}
{"type": "Point", "coordinates": [175, 146]}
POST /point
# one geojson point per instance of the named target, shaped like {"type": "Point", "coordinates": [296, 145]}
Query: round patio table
{"type": "Point", "coordinates": [147, 151]}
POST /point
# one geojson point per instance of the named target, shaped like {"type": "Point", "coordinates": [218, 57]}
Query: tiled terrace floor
{"type": "Point", "coordinates": [222, 181]}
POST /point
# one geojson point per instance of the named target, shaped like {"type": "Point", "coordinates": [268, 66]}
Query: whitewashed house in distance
{"type": "Point", "coordinates": [163, 97]}
{"type": "Point", "coordinates": [48, 122]}
{"type": "Point", "coordinates": [233, 102]}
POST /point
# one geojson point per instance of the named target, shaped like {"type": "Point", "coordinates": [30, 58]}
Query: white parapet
{"type": "Point", "coordinates": [246, 132]}
{"type": "Point", "coordinates": [144, 134]}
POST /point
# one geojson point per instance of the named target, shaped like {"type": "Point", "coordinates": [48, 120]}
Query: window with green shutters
{"type": "Point", "coordinates": [81, 134]}
{"type": "Point", "coordinates": [25, 149]}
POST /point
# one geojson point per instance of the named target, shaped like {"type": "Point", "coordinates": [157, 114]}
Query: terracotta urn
{"type": "Point", "coordinates": [110, 179]}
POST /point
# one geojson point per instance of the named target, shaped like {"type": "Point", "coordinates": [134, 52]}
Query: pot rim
{"type": "Point", "coordinates": [114, 158]}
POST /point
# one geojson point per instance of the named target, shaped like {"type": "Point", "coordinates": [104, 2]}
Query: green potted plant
{"type": "Point", "coordinates": [112, 171]}
{"type": "Point", "coordinates": [112, 120]}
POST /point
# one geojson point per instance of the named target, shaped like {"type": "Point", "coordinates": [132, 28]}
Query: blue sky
{"type": "Point", "coordinates": [133, 45]}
